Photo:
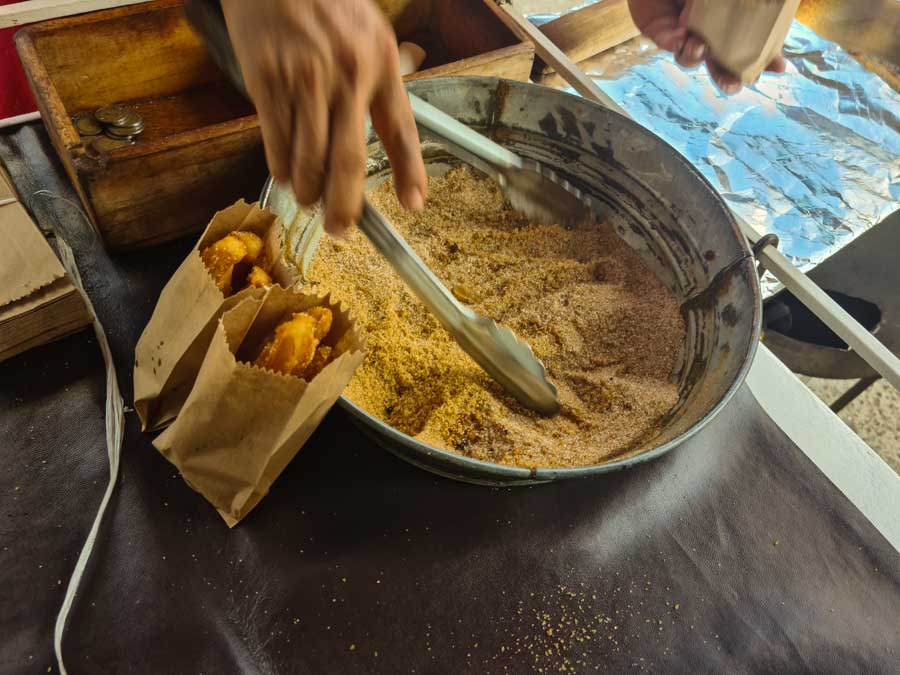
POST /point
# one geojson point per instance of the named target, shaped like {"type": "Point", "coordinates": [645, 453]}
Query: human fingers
{"type": "Point", "coordinates": [346, 168]}
{"type": "Point", "coordinates": [666, 33]}
{"type": "Point", "coordinates": [395, 125]}
{"type": "Point", "coordinates": [309, 144]}
{"type": "Point", "coordinates": [727, 82]}
{"type": "Point", "coordinates": [692, 53]}
{"type": "Point", "coordinates": [274, 118]}
{"type": "Point", "coordinates": [777, 65]}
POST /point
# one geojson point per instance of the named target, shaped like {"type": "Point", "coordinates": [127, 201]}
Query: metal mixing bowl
{"type": "Point", "coordinates": [658, 204]}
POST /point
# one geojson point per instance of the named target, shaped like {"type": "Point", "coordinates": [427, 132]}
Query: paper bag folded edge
{"type": "Point", "coordinates": [150, 386]}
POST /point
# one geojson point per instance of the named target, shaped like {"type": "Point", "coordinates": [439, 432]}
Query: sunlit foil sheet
{"type": "Point", "coordinates": [812, 155]}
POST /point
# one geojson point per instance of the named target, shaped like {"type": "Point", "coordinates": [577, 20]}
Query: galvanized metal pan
{"type": "Point", "coordinates": [658, 204]}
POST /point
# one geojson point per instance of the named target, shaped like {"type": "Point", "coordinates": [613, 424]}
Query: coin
{"type": "Point", "coordinates": [125, 130]}
{"type": "Point", "coordinates": [105, 144]}
{"type": "Point", "coordinates": [132, 121]}
{"type": "Point", "coordinates": [118, 132]}
{"type": "Point", "coordinates": [88, 126]}
{"type": "Point", "coordinates": [112, 114]}
{"type": "Point", "coordinates": [108, 134]}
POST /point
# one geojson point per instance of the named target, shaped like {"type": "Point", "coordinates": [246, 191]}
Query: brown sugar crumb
{"type": "Point", "coordinates": [605, 327]}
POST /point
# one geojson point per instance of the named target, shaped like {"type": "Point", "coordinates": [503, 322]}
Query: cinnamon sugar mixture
{"type": "Point", "coordinates": [602, 323]}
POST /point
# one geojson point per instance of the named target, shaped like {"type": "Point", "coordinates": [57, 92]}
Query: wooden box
{"type": "Point", "coordinates": [201, 149]}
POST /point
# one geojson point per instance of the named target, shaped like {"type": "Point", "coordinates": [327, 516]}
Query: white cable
{"type": "Point", "coordinates": [19, 119]}
{"type": "Point", "coordinates": [115, 418]}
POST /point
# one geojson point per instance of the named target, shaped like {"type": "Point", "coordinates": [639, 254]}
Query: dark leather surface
{"type": "Point", "coordinates": [357, 562]}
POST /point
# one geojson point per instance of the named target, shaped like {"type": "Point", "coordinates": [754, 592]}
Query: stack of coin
{"type": "Point", "coordinates": [110, 127]}
{"type": "Point", "coordinates": [119, 122]}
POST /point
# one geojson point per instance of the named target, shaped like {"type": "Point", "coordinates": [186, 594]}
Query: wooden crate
{"type": "Point", "coordinates": [201, 149]}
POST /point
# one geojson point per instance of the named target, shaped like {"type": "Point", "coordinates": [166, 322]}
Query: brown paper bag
{"type": "Point", "coordinates": [7, 193]}
{"type": "Point", "coordinates": [172, 346]}
{"type": "Point", "coordinates": [743, 35]}
{"type": "Point", "coordinates": [27, 263]}
{"type": "Point", "coordinates": [38, 301]}
{"type": "Point", "coordinates": [241, 425]}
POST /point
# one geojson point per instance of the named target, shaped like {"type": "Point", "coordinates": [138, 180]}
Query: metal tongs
{"type": "Point", "coordinates": [495, 348]}
{"type": "Point", "coordinates": [532, 189]}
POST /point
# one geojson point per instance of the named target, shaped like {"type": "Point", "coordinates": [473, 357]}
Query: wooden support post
{"type": "Point", "coordinates": [591, 30]}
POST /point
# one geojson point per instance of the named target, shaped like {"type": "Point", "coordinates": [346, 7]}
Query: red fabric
{"type": "Point", "coordinates": [15, 96]}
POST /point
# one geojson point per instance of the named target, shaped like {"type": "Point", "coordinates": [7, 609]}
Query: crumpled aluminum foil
{"type": "Point", "coordinates": [812, 155]}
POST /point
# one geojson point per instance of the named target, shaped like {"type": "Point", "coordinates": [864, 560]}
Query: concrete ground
{"type": "Point", "coordinates": [874, 415]}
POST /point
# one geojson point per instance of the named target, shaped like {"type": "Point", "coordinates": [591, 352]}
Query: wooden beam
{"type": "Point", "coordinates": [590, 30]}
{"type": "Point", "coordinates": [32, 11]}
{"type": "Point", "coordinates": [872, 351]}
{"type": "Point", "coordinates": [554, 56]}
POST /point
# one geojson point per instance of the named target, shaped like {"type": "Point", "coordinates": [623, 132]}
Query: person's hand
{"type": "Point", "coordinates": [314, 69]}
{"type": "Point", "coordinates": [663, 21]}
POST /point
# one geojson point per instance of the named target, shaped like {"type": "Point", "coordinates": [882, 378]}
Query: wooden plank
{"type": "Point", "coordinates": [32, 11]}
{"type": "Point", "coordinates": [201, 147]}
{"type": "Point", "coordinates": [823, 306]}
{"type": "Point", "coordinates": [145, 199]}
{"type": "Point", "coordinates": [591, 30]}
{"type": "Point", "coordinates": [886, 71]}
{"type": "Point", "coordinates": [553, 55]}
{"type": "Point", "coordinates": [855, 469]}
{"type": "Point", "coordinates": [512, 63]}
{"type": "Point", "coordinates": [63, 136]}
{"type": "Point", "coordinates": [869, 28]}
{"type": "Point", "coordinates": [467, 28]}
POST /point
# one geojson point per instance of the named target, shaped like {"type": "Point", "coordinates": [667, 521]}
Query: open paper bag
{"type": "Point", "coordinates": [173, 344]}
{"type": "Point", "coordinates": [242, 424]}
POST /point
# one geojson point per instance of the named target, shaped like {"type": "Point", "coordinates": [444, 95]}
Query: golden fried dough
{"type": "Point", "coordinates": [292, 347]}
{"type": "Point", "coordinates": [320, 359]}
{"type": "Point", "coordinates": [253, 243]}
{"type": "Point", "coordinates": [236, 261]}
{"type": "Point", "coordinates": [220, 259]}
{"type": "Point", "coordinates": [323, 318]}
{"type": "Point", "coordinates": [259, 277]}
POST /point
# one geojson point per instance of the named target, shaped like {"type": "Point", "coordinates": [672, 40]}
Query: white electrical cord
{"type": "Point", "coordinates": [115, 419]}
